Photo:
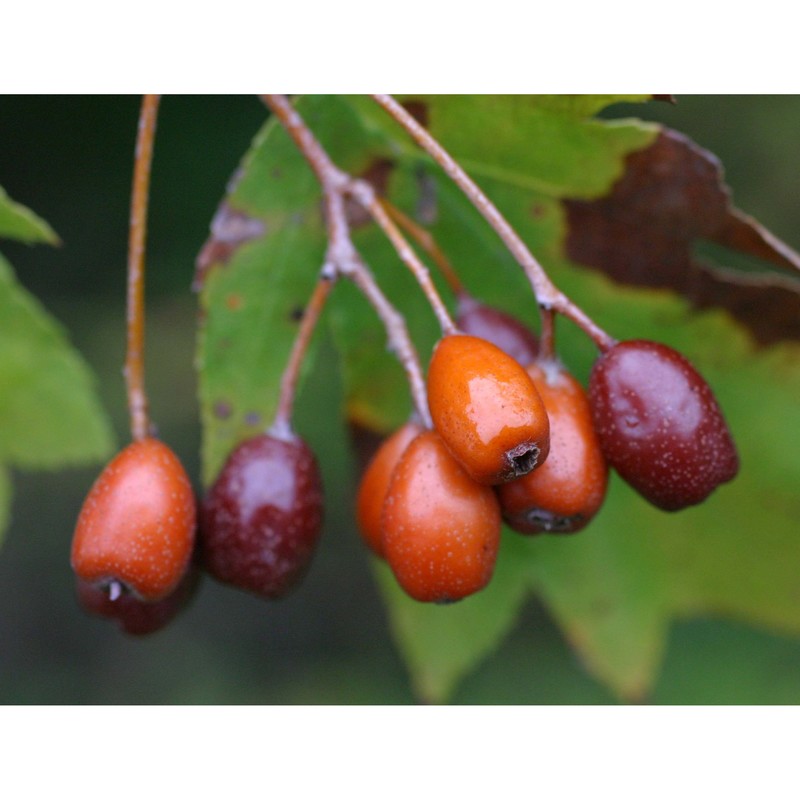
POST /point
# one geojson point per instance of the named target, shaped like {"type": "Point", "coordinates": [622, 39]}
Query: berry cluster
{"type": "Point", "coordinates": [529, 446]}
{"type": "Point", "coordinates": [501, 432]}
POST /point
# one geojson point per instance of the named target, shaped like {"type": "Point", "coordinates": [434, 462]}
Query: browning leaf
{"type": "Point", "coordinates": [644, 232]}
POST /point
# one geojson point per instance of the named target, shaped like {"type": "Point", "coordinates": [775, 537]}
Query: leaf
{"type": "Point", "coordinates": [616, 587]}
{"type": "Point", "coordinates": [441, 644]}
{"type": "Point", "coordinates": [20, 223]}
{"type": "Point", "coordinates": [256, 273]}
{"type": "Point", "coordinates": [49, 413]}
{"type": "Point", "coordinates": [671, 201]}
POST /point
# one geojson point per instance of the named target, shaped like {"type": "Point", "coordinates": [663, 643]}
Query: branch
{"type": "Point", "coordinates": [342, 257]}
{"type": "Point", "coordinates": [547, 294]}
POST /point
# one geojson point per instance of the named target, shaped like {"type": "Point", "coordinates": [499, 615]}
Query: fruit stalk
{"type": "Point", "coordinates": [547, 294]}
{"type": "Point", "coordinates": [281, 424]}
{"type": "Point", "coordinates": [134, 360]}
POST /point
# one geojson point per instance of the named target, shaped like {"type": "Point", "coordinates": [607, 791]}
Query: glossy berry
{"type": "Point", "coordinates": [137, 524]}
{"type": "Point", "coordinates": [441, 530]}
{"type": "Point", "coordinates": [495, 326]}
{"type": "Point", "coordinates": [564, 493]}
{"type": "Point", "coordinates": [132, 615]}
{"type": "Point", "coordinates": [261, 520]}
{"type": "Point", "coordinates": [486, 409]}
{"type": "Point", "coordinates": [375, 483]}
{"type": "Point", "coordinates": [659, 424]}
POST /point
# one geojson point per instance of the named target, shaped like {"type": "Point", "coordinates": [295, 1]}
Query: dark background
{"type": "Point", "coordinates": [69, 158]}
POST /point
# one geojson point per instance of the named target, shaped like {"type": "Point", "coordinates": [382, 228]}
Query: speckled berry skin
{"type": "Point", "coordinates": [495, 326]}
{"type": "Point", "coordinates": [659, 424]}
{"type": "Point", "coordinates": [565, 493]}
{"type": "Point", "coordinates": [375, 484]}
{"type": "Point", "coordinates": [441, 530]}
{"type": "Point", "coordinates": [134, 616]}
{"type": "Point", "coordinates": [486, 409]}
{"type": "Point", "coordinates": [137, 524]}
{"type": "Point", "coordinates": [261, 519]}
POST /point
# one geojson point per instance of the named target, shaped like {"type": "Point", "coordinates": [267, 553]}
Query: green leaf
{"type": "Point", "coordinates": [441, 644]}
{"type": "Point", "coordinates": [615, 588]}
{"type": "Point", "coordinates": [49, 413]}
{"type": "Point", "coordinates": [20, 223]}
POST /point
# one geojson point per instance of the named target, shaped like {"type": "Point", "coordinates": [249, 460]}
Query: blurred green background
{"type": "Point", "coordinates": [69, 158]}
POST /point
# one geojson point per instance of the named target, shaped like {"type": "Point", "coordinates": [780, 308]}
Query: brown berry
{"type": "Point", "coordinates": [486, 409]}
{"type": "Point", "coordinates": [564, 493]}
{"type": "Point", "coordinates": [441, 529]}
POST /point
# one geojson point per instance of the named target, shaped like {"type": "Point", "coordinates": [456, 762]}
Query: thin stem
{"type": "Point", "coordinates": [426, 241]}
{"type": "Point", "coordinates": [547, 294]}
{"type": "Point", "coordinates": [282, 422]}
{"type": "Point", "coordinates": [365, 194]}
{"type": "Point", "coordinates": [134, 359]}
{"type": "Point", "coordinates": [547, 335]}
{"type": "Point", "coordinates": [342, 258]}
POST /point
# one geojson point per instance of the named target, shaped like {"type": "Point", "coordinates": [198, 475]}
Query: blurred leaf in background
{"type": "Point", "coordinates": [49, 414]}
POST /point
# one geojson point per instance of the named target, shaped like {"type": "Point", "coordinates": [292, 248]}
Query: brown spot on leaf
{"type": "Point", "coordinates": [222, 409]}
{"type": "Point", "coordinates": [376, 175]}
{"type": "Point", "coordinates": [418, 109]}
{"type": "Point", "coordinates": [670, 197]}
{"type": "Point", "coordinates": [230, 229]}
{"type": "Point", "coordinates": [233, 302]}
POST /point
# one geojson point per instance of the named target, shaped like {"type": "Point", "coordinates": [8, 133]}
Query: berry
{"type": "Point", "coordinates": [495, 326]}
{"type": "Point", "coordinates": [441, 530]}
{"type": "Point", "coordinates": [659, 424]}
{"type": "Point", "coordinates": [137, 524]}
{"type": "Point", "coordinates": [564, 493]}
{"type": "Point", "coordinates": [261, 520]}
{"type": "Point", "coordinates": [486, 409]}
{"type": "Point", "coordinates": [135, 616]}
{"type": "Point", "coordinates": [375, 484]}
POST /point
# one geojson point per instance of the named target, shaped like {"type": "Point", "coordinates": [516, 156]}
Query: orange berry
{"type": "Point", "coordinates": [375, 483]}
{"type": "Point", "coordinates": [137, 524]}
{"type": "Point", "coordinates": [441, 530]}
{"type": "Point", "coordinates": [568, 489]}
{"type": "Point", "coordinates": [486, 409]}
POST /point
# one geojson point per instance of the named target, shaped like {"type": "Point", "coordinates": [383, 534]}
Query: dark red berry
{"type": "Point", "coordinates": [135, 616]}
{"type": "Point", "coordinates": [262, 518]}
{"type": "Point", "coordinates": [495, 326]}
{"type": "Point", "coordinates": [659, 424]}
{"type": "Point", "coordinates": [137, 524]}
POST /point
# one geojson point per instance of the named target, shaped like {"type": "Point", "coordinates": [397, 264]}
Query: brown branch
{"type": "Point", "coordinates": [427, 242]}
{"type": "Point", "coordinates": [282, 422]}
{"type": "Point", "coordinates": [547, 294]}
{"type": "Point", "coordinates": [134, 359]}
{"type": "Point", "coordinates": [342, 258]}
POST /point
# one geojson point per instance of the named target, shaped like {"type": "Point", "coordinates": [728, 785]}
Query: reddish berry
{"type": "Point", "coordinates": [441, 530]}
{"type": "Point", "coordinates": [137, 524]}
{"type": "Point", "coordinates": [261, 520]}
{"type": "Point", "coordinates": [495, 326]}
{"type": "Point", "coordinates": [135, 616]}
{"type": "Point", "coordinates": [659, 424]}
{"type": "Point", "coordinates": [564, 493]}
{"type": "Point", "coordinates": [375, 483]}
{"type": "Point", "coordinates": [486, 409]}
